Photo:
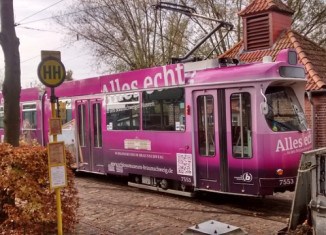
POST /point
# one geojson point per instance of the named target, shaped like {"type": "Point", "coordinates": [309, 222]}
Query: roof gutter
{"type": "Point", "coordinates": [317, 92]}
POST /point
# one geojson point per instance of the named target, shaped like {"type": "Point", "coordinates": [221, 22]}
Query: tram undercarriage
{"type": "Point", "coordinates": [161, 185]}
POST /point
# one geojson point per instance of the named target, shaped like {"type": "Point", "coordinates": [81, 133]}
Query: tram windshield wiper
{"type": "Point", "coordinates": [276, 125]}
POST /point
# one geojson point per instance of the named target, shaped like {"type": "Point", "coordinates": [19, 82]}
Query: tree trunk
{"type": "Point", "coordinates": [11, 85]}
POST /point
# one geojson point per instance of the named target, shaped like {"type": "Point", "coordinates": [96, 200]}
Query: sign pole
{"type": "Point", "coordinates": [59, 213]}
{"type": "Point", "coordinates": [53, 99]}
{"type": "Point", "coordinates": [52, 73]}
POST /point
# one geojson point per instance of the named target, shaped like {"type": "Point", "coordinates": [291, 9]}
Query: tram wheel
{"type": "Point", "coordinates": [164, 184]}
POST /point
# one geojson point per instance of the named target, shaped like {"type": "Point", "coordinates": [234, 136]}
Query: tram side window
{"type": "Point", "coordinates": [29, 116]}
{"type": "Point", "coordinates": [122, 112]}
{"type": "Point", "coordinates": [206, 129]}
{"type": "Point", "coordinates": [241, 125]}
{"type": "Point", "coordinates": [164, 110]}
{"type": "Point", "coordinates": [1, 117]}
{"type": "Point", "coordinates": [97, 125]}
{"type": "Point", "coordinates": [82, 124]}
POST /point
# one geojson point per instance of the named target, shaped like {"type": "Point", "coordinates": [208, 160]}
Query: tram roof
{"type": "Point", "coordinates": [202, 72]}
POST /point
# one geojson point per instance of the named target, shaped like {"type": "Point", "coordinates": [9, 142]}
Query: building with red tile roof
{"type": "Point", "coordinates": [265, 5]}
{"type": "Point", "coordinates": [267, 30]}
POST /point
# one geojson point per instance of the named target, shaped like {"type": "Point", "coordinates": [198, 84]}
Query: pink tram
{"type": "Point", "coordinates": [182, 128]}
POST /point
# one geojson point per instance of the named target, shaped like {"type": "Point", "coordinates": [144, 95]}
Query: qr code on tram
{"type": "Point", "coordinates": [184, 164]}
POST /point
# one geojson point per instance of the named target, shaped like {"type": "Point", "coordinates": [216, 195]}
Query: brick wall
{"type": "Point", "coordinates": [320, 119]}
{"type": "Point", "coordinates": [308, 111]}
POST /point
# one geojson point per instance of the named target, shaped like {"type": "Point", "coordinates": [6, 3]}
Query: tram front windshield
{"type": "Point", "coordinates": [284, 110]}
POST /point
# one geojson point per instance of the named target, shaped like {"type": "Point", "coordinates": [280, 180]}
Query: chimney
{"type": "Point", "coordinates": [263, 22]}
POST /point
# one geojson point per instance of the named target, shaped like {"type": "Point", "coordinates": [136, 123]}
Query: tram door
{"type": "Point", "coordinates": [209, 130]}
{"type": "Point", "coordinates": [89, 135]}
{"type": "Point", "coordinates": [242, 163]}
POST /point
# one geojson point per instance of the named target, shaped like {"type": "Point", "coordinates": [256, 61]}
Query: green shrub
{"type": "Point", "coordinates": [27, 205]}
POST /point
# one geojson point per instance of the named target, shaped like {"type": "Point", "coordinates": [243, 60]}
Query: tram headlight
{"type": "Point", "coordinates": [279, 172]}
{"type": "Point", "coordinates": [188, 110]}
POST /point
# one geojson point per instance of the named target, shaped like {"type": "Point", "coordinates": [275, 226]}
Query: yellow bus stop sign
{"type": "Point", "coordinates": [51, 72]}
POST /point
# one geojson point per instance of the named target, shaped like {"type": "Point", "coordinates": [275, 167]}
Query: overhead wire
{"type": "Point", "coordinates": [38, 56]}
{"type": "Point", "coordinates": [46, 8]}
{"type": "Point", "coordinates": [39, 11]}
{"type": "Point", "coordinates": [36, 29]}
{"type": "Point", "coordinates": [20, 23]}
{"type": "Point", "coordinates": [56, 16]}
{"type": "Point", "coordinates": [57, 48]}
{"type": "Point", "coordinates": [47, 18]}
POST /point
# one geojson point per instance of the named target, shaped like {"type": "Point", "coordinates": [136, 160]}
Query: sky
{"type": "Point", "coordinates": [37, 33]}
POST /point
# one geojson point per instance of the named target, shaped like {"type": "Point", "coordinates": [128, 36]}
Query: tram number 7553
{"type": "Point", "coordinates": [283, 182]}
{"type": "Point", "coordinates": [185, 179]}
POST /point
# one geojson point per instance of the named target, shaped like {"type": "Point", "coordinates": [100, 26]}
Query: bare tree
{"type": "Point", "coordinates": [126, 35]}
{"type": "Point", "coordinates": [225, 10]}
{"type": "Point", "coordinates": [11, 86]}
{"type": "Point", "coordinates": [310, 19]}
{"type": "Point", "coordinates": [69, 74]}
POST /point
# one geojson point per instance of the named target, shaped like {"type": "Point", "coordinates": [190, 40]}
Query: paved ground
{"type": "Point", "coordinates": [110, 208]}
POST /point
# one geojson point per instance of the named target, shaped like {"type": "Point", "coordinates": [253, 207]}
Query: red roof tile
{"type": "Point", "coordinates": [258, 6]}
{"type": "Point", "coordinates": [310, 55]}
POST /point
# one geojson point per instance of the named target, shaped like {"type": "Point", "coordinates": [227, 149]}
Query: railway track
{"type": "Point", "coordinates": [109, 206]}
